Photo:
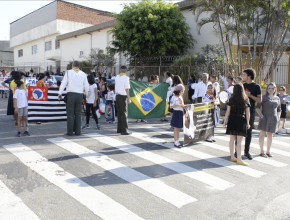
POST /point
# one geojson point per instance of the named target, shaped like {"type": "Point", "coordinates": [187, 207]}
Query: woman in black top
{"type": "Point", "coordinates": [239, 115]}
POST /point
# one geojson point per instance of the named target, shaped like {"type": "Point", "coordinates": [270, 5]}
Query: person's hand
{"type": "Point", "coordinates": [94, 105]}
{"type": "Point", "coordinates": [224, 126]}
{"type": "Point", "coordinates": [59, 97]}
{"type": "Point", "coordinates": [182, 105]}
{"type": "Point", "coordinates": [248, 126]}
{"type": "Point", "coordinates": [248, 93]}
{"type": "Point", "coordinates": [113, 104]}
{"type": "Point", "coordinates": [129, 101]}
{"type": "Point", "coordinates": [262, 117]}
{"type": "Point", "coordinates": [16, 110]}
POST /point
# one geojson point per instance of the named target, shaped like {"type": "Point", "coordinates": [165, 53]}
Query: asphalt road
{"type": "Point", "coordinates": [102, 175]}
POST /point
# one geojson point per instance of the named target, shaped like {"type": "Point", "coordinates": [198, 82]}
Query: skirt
{"type": "Point", "coordinates": [269, 123]}
{"type": "Point", "coordinates": [177, 119]}
{"type": "Point", "coordinates": [10, 109]}
{"type": "Point", "coordinates": [110, 111]}
{"type": "Point", "coordinates": [283, 111]}
{"type": "Point", "coordinates": [237, 126]}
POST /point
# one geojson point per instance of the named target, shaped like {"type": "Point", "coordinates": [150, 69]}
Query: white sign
{"type": "Point", "coordinates": [2, 79]}
{"type": "Point", "coordinates": [31, 81]}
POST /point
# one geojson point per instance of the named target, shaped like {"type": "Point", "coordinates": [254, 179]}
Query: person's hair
{"type": "Point", "coordinates": [19, 83]}
{"type": "Point", "coordinates": [41, 76]}
{"type": "Point", "coordinates": [213, 76]}
{"type": "Point", "coordinates": [31, 71]}
{"type": "Point", "coordinates": [111, 87]}
{"type": "Point", "coordinates": [123, 69]}
{"type": "Point", "coordinates": [192, 77]}
{"type": "Point", "coordinates": [12, 74]}
{"type": "Point", "coordinates": [76, 64]}
{"type": "Point", "coordinates": [250, 72]}
{"type": "Point", "coordinates": [168, 74]}
{"type": "Point", "coordinates": [58, 83]}
{"type": "Point", "coordinates": [231, 78]}
{"type": "Point", "coordinates": [104, 79]}
{"type": "Point", "coordinates": [271, 84]}
{"type": "Point", "coordinates": [284, 88]}
{"type": "Point", "coordinates": [239, 78]}
{"type": "Point", "coordinates": [91, 79]}
{"type": "Point", "coordinates": [239, 99]}
{"type": "Point", "coordinates": [152, 77]}
{"type": "Point", "coordinates": [177, 80]}
{"type": "Point", "coordinates": [177, 92]}
{"type": "Point", "coordinates": [210, 85]}
{"type": "Point", "coordinates": [206, 74]}
{"type": "Point", "coordinates": [17, 76]}
{"type": "Point", "coordinates": [99, 74]}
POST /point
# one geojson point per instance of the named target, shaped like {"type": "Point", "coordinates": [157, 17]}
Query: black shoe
{"type": "Point", "coordinates": [119, 132]}
{"type": "Point", "coordinates": [248, 155]}
{"type": "Point", "coordinates": [208, 140]}
{"type": "Point", "coordinates": [68, 134]}
{"type": "Point", "coordinates": [125, 133]}
{"type": "Point", "coordinates": [235, 154]}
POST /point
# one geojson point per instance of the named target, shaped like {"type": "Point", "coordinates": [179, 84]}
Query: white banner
{"type": "Point", "coordinates": [31, 81]}
{"type": "Point", "coordinates": [2, 79]}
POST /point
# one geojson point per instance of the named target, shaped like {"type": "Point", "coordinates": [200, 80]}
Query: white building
{"type": "Point", "coordinates": [33, 37]}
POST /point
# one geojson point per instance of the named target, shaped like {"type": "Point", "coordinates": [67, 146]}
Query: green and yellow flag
{"type": "Point", "coordinates": [148, 100]}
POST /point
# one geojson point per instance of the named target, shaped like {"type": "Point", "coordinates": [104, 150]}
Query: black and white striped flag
{"type": "Point", "coordinates": [45, 111]}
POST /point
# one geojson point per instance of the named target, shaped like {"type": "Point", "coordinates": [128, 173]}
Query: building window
{"type": "Point", "coordinates": [34, 49]}
{"type": "Point", "coordinates": [57, 44]}
{"type": "Point", "coordinates": [48, 46]}
{"type": "Point", "coordinates": [20, 53]}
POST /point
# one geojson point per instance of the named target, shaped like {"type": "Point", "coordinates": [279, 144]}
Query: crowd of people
{"type": "Point", "coordinates": [240, 106]}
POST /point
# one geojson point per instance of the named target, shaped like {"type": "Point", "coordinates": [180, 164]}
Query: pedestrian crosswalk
{"type": "Point", "coordinates": [159, 153]}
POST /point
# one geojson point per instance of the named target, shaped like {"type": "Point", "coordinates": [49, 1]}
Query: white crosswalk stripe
{"type": "Point", "coordinates": [256, 146]}
{"type": "Point", "coordinates": [12, 207]}
{"type": "Point", "coordinates": [210, 158]}
{"type": "Point", "coordinates": [146, 183]}
{"type": "Point", "coordinates": [96, 201]}
{"type": "Point", "coordinates": [222, 148]}
{"type": "Point", "coordinates": [284, 143]}
{"type": "Point", "coordinates": [201, 176]}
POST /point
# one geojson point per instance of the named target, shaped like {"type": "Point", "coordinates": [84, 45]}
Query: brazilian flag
{"type": "Point", "coordinates": [148, 100]}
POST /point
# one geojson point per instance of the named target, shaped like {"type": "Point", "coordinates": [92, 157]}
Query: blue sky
{"type": "Point", "coordinates": [13, 10]}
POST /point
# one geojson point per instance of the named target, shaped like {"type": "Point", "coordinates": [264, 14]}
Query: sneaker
{"type": "Point", "coordinates": [26, 133]}
{"type": "Point", "coordinates": [85, 126]}
{"type": "Point", "coordinates": [18, 134]}
{"type": "Point", "coordinates": [98, 127]}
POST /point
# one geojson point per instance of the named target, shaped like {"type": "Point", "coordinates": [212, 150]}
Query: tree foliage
{"type": "Point", "coordinates": [151, 28]}
{"type": "Point", "coordinates": [100, 60]}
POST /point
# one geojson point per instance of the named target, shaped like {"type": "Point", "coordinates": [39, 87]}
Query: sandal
{"type": "Point", "coordinates": [143, 121]}
{"type": "Point", "coordinates": [269, 155]}
{"type": "Point", "coordinates": [263, 155]}
{"type": "Point", "coordinates": [161, 119]}
{"type": "Point", "coordinates": [165, 120]}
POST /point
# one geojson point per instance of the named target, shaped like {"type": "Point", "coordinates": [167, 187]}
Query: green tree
{"type": "Point", "coordinates": [151, 28]}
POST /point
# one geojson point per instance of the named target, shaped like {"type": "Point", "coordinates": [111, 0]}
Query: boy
{"type": "Point", "coordinates": [239, 79]}
{"type": "Point", "coordinates": [20, 103]}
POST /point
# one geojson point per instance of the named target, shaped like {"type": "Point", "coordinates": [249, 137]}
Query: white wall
{"type": "Point", "coordinates": [207, 35]}
{"type": "Point", "coordinates": [54, 27]}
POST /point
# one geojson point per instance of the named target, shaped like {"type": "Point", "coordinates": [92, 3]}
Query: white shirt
{"type": "Point", "coordinates": [110, 96]}
{"type": "Point", "coordinates": [21, 96]}
{"type": "Point", "coordinates": [74, 82]}
{"type": "Point", "coordinates": [226, 84]}
{"type": "Point", "coordinates": [169, 81]}
{"type": "Point", "coordinates": [176, 101]}
{"type": "Point", "coordinates": [114, 77]}
{"type": "Point", "coordinates": [121, 83]}
{"type": "Point", "coordinates": [200, 89]}
{"type": "Point", "coordinates": [91, 94]}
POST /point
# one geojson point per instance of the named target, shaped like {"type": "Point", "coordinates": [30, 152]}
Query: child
{"type": "Point", "coordinates": [20, 103]}
{"type": "Point", "coordinates": [238, 114]}
{"type": "Point", "coordinates": [176, 103]}
{"type": "Point", "coordinates": [110, 103]}
{"type": "Point", "coordinates": [50, 84]}
{"type": "Point", "coordinates": [211, 97]}
{"type": "Point", "coordinates": [91, 100]}
{"type": "Point", "coordinates": [239, 79]}
{"type": "Point", "coordinates": [58, 83]}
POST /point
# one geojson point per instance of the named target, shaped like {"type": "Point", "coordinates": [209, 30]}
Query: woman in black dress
{"type": "Point", "coordinates": [238, 114]}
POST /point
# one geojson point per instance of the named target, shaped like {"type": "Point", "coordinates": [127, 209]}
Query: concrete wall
{"type": "Point", "coordinates": [5, 54]}
{"type": "Point", "coordinates": [207, 35]}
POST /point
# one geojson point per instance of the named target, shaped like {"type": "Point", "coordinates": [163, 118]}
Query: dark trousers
{"type": "Point", "coordinates": [74, 112]}
{"type": "Point", "coordinates": [121, 106]}
{"type": "Point", "coordinates": [190, 94]}
{"type": "Point", "coordinates": [90, 108]}
{"type": "Point", "coordinates": [249, 133]}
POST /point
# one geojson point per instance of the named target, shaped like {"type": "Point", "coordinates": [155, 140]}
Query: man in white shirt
{"type": "Point", "coordinates": [122, 86]}
{"type": "Point", "coordinates": [201, 88]}
{"type": "Point", "coordinates": [75, 81]}
{"type": "Point", "coordinates": [225, 81]}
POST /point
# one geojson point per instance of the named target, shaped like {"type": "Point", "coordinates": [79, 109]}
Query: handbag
{"type": "Point", "coordinates": [65, 97]}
